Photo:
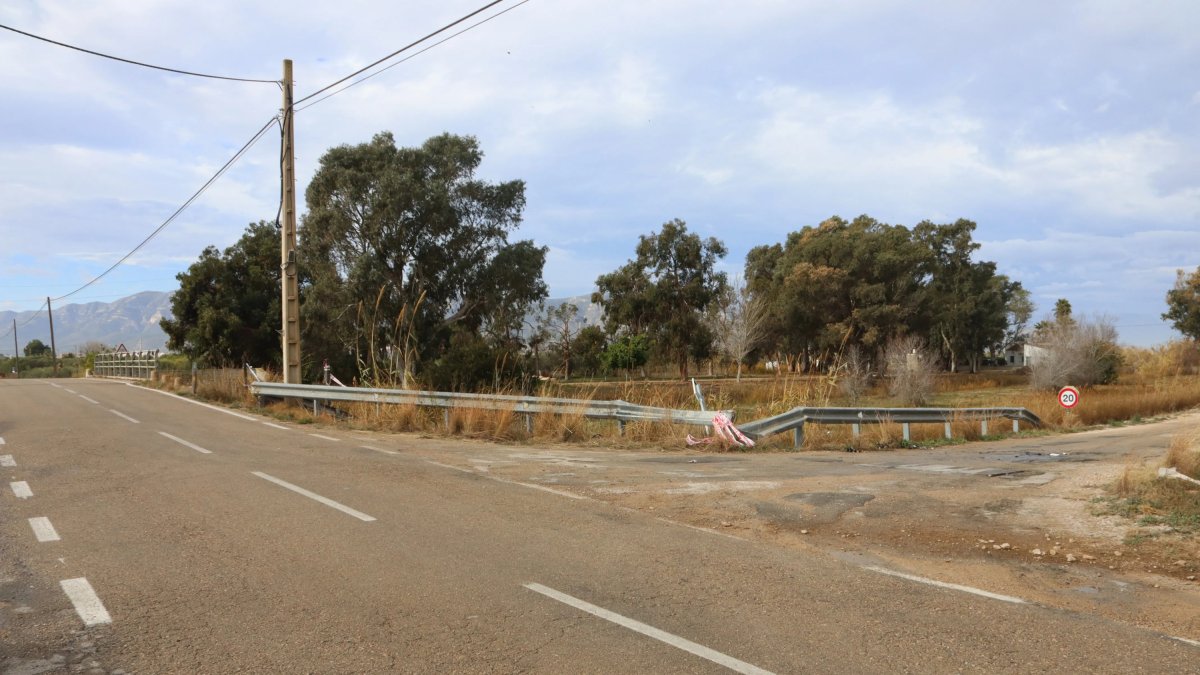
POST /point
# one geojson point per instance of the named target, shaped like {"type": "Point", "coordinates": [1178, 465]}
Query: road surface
{"type": "Point", "coordinates": [141, 532]}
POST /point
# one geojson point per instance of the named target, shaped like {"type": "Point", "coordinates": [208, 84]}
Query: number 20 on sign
{"type": "Point", "coordinates": [1068, 397]}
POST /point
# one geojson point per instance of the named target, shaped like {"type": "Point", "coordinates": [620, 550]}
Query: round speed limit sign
{"type": "Point", "coordinates": [1068, 397]}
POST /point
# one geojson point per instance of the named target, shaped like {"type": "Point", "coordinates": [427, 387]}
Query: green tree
{"type": "Point", "coordinates": [408, 252]}
{"type": "Point", "coordinates": [588, 351]}
{"type": "Point", "coordinates": [36, 347]}
{"type": "Point", "coordinates": [666, 290]}
{"type": "Point", "coordinates": [968, 303]}
{"type": "Point", "coordinates": [626, 353]}
{"type": "Point", "coordinates": [227, 308]}
{"type": "Point", "coordinates": [1183, 304]}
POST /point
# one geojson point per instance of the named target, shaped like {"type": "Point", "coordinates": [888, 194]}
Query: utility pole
{"type": "Point", "coordinates": [53, 348]}
{"type": "Point", "coordinates": [291, 291]}
{"type": "Point", "coordinates": [16, 354]}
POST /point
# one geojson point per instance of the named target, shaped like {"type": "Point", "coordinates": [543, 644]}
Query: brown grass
{"type": "Point", "coordinates": [1140, 493]}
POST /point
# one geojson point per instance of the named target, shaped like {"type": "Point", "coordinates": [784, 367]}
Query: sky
{"type": "Point", "coordinates": [1068, 131]}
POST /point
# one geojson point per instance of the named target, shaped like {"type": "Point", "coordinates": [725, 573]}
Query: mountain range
{"type": "Point", "coordinates": [133, 321]}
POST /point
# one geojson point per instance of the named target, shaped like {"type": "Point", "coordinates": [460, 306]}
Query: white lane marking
{"type": "Point", "coordinates": [199, 403]}
{"type": "Point", "coordinates": [1186, 641]}
{"type": "Point", "coordinates": [386, 452]}
{"type": "Point", "coordinates": [121, 414]}
{"type": "Point", "coordinates": [21, 489]}
{"type": "Point", "coordinates": [314, 496]}
{"type": "Point", "coordinates": [275, 426]}
{"type": "Point", "coordinates": [543, 488]}
{"type": "Point", "coordinates": [1, 440]}
{"type": "Point", "coordinates": [43, 530]}
{"type": "Point", "coordinates": [7, 460]}
{"type": "Point", "coordinates": [328, 438]}
{"type": "Point", "coordinates": [87, 603]}
{"type": "Point", "coordinates": [89, 400]}
{"type": "Point", "coordinates": [185, 443]}
{"type": "Point", "coordinates": [943, 584]}
{"type": "Point", "coordinates": [703, 652]}
{"type": "Point", "coordinates": [698, 528]}
{"type": "Point", "coordinates": [70, 391]}
{"type": "Point", "coordinates": [54, 385]}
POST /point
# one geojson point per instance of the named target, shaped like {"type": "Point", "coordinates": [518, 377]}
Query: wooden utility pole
{"type": "Point", "coordinates": [53, 347]}
{"type": "Point", "coordinates": [16, 354]}
{"type": "Point", "coordinates": [291, 299]}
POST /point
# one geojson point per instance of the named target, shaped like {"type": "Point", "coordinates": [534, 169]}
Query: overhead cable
{"type": "Point", "coordinates": [411, 56]}
{"type": "Point", "coordinates": [220, 172]}
{"type": "Point", "coordinates": [36, 313]}
{"type": "Point", "coordinates": [398, 51]}
{"type": "Point", "coordinates": [136, 63]}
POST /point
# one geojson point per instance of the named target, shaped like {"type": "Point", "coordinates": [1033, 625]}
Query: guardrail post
{"type": "Point", "coordinates": [949, 435]}
{"type": "Point", "coordinates": [907, 435]}
{"type": "Point", "coordinates": [857, 428]}
{"type": "Point", "coordinates": [1016, 426]}
{"type": "Point", "coordinates": [446, 417]}
{"type": "Point", "coordinates": [983, 426]}
{"type": "Point", "coordinates": [529, 424]}
{"type": "Point", "coordinates": [620, 427]}
{"type": "Point", "coordinates": [798, 437]}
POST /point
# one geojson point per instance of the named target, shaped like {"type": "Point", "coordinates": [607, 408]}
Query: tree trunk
{"type": "Point", "coordinates": [739, 371]}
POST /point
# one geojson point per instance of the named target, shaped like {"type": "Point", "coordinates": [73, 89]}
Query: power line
{"type": "Point", "coordinates": [136, 63]}
{"type": "Point", "coordinates": [36, 313]}
{"type": "Point", "coordinates": [220, 172]}
{"type": "Point", "coordinates": [410, 56]}
{"type": "Point", "coordinates": [398, 51]}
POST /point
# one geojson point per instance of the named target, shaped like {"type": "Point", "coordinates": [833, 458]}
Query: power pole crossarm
{"type": "Point", "coordinates": [290, 286]}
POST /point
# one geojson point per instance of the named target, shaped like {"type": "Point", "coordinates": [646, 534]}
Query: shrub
{"type": "Point", "coordinates": [912, 370]}
{"type": "Point", "coordinates": [1080, 353]}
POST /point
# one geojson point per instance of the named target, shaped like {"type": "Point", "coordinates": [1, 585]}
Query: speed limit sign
{"type": "Point", "coordinates": [1068, 397]}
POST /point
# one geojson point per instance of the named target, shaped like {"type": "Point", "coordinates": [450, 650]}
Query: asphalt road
{"type": "Point", "coordinates": [219, 543]}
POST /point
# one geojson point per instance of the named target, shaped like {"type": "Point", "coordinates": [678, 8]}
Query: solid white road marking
{"type": "Point", "coordinates": [943, 584]}
{"type": "Point", "coordinates": [7, 460]}
{"type": "Point", "coordinates": [199, 403]}
{"type": "Point", "coordinates": [543, 488]}
{"type": "Point", "coordinates": [70, 391]}
{"type": "Point", "coordinates": [386, 452]}
{"type": "Point", "coordinates": [328, 438]}
{"type": "Point", "coordinates": [703, 652]}
{"type": "Point", "coordinates": [54, 385]}
{"type": "Point", "coordinates": [185, 443]}
{"type": "Point", "coordinates": [43, 530]}
{"type": "Point", "coordinates": [1, 440]}
{"type": "Point", "coordinates": [21, 489]}
{"type": "Point", "coordinates": [87, 603]}
{"type": "Point", "coordinates": [1186, 641]}
{"type": "Point", "coordinates": [89, 400]}
{"type": "Point", "coordinates": [275, 426]}
{"type": "Point", "coordinates": [121, 414]}
{"type": "Point", "coordinates": [314, 496]}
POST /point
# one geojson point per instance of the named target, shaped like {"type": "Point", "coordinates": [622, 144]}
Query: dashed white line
{"type": "Point", "coordinates": [21, 489]}
{"type": "Point", "coordinates": [686, 645]}
{"type": "Point", "coordinates": [54, 385]}
{"type": "Point", "coordinates": [943, 584]}
{"type": "Point", "coordinates": [386, 452]}
{"type": "Point", "coordinates": [7, 460]}
{"type": "Point", "coordinates": [89, 400]}
{"type": "Point", "coordinates": [328, 438]}
{"type": "Point", "coordinates": [87, 603]}
{"type": "Point", "coordinates": [70, 391]}
{"type": "Point", "coordinates": [275, 426]}
{"type": "Point", "coordinates": [314, 496]}
{"type": "Point", "coordinates": [43, 530]}
{"type": "Point", "coordinates": [121, 414]}
{"type": "Point", "coordinates": [455, 468]}
{"type": "Point", "coordinates": [199, 403]}
{"type": "Point", "coordinates": [699, 529]}
{"type": "Point", "coordinates": [1, 440]}
{"type": "Point", "coordinates": [185, 443]}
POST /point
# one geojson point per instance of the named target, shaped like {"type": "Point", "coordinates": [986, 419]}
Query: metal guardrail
{"type": "Point", "coordinates": [126, 365]}
{"type": "Point", "coordinates": [621, 411]}
{"type": "Point", "coordinates": [795, 419]}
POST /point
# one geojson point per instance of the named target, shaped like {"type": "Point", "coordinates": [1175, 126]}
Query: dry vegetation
{"type": "Point", "coordinates": [1163, 382]}
{"type": "Point", "coordinates": [1155, 500]}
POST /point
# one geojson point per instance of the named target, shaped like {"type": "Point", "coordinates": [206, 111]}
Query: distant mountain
{"type": "Point", "coordinates": [589, 313]}
{"type": "Point", "coordinates": [131, 321]}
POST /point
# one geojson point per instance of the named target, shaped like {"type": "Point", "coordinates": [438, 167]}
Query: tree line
{"type": "Point", "coordinates": [411, 274]}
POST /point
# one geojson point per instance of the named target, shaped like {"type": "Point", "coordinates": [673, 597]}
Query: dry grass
{"type": "Point", "coordinates": [1140, 493]}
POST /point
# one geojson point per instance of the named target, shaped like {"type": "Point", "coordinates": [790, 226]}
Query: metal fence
{"type": "Point", "coordinates": [620, 411]}
{"type": "Point", "coordinates": [126, 365]}
{"type": "Point", "coordinates": [795, 419]}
